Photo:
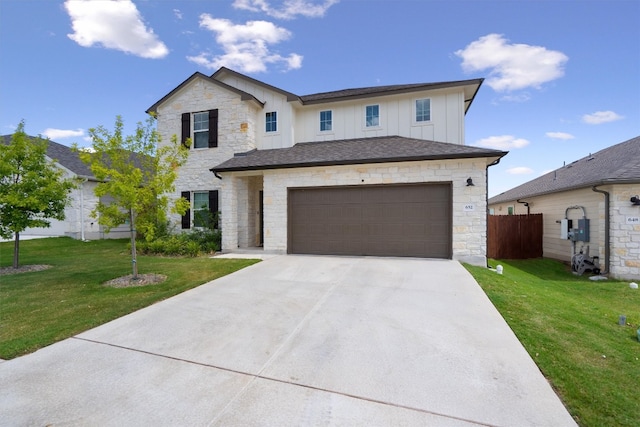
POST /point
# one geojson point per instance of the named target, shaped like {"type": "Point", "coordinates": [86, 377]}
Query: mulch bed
{"type": "Point", "coordinates": [142, 280]}
{"type": "Point", "coordinates": [120, 282]}
{"type": "Point", "coordinates": [4, 271]}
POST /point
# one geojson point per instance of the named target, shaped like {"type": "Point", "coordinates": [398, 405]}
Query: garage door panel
{"type": "Point", "coordinates": [389, 220]}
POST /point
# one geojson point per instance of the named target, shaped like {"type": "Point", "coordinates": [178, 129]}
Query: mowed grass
{"type": "Point", "coordinates": [569, 326]}
{"type": "Point", "coordinates": [40, 308]}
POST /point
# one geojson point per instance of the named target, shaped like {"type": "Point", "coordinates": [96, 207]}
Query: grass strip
{"type": "Point", "coordinates": [43, 307]}
{"type": "Point", "coordinates": [569, 326]}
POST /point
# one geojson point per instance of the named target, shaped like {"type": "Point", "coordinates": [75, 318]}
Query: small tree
{"type": "Point", "coordinates": [32, 189]}
{"type": "Point", "coordinates": [135, 176]}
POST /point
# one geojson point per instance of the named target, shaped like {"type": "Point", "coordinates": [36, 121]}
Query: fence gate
{"type": "Point", "coordinates": [514, 236]}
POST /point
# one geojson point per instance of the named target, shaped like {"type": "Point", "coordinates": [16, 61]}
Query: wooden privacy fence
{"type": "Point", "coordinates": [514, 236]}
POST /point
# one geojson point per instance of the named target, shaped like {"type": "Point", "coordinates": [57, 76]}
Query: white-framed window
{"type": "Point", "coordinates": [372, 116]}
{"type": "Point", "coordinates": [423, 110]}
{"type": "Point", "coordinates": [271, 121]}
{"type": "Point", "coordinates": [510, 210]}
{"type": "Point", "coordinates": [201, 130]}
{"type": "Point", "coordinates": [326, 121]}
{"type": "Point", "coordinates": [200, 208]}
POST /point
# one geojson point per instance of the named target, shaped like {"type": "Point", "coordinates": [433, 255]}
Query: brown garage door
{"type": "Point", "coordinates": [384, 220]}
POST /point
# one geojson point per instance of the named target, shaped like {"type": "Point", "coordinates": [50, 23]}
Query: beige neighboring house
{"type": "Point", "coordinates": [78, 222]}
{"type": "Point", "coordinates": [369, 171]}
{"type": "Point", "coordinates": [604, 187]}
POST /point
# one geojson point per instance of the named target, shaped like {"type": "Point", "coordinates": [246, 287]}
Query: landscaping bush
{"type": "Point", "coordinates": [190, 244]}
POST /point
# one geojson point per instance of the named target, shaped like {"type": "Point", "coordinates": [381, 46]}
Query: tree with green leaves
{"type": "Point", "coordinates": [135, 176]}
{"type": "Point", "coordinates": [32, 188]}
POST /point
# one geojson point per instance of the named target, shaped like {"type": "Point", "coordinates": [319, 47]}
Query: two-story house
{"type": "Point", "coordinates": [378, 171]}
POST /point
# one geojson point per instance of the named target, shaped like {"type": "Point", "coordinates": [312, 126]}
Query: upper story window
{"type": "Point", "coordinates": [326, 121]}
{"type": "Point", "coordinates": [201, 130]}
{"type": "Point", "coordinates": [372, 115]}
{"type": "Point", "coordinates": [271, 122]}
{"type": "Point", "coordinates": [423, 110]}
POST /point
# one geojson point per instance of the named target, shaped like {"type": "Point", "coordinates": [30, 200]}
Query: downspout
{"type": "Point", "coordinates": [607, 253]}
{"type": "Point", "coordinates": [82, 181]}
{"type": "Point", "coordinates": [216, 174]}
{"type": "Point", "coordinates": [486, 203]}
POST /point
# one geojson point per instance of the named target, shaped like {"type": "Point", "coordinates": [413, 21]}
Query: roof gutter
{"type": "Point", "coordinates": [607, 239]}
{"type": "Point", "coordinates": [358, 162]}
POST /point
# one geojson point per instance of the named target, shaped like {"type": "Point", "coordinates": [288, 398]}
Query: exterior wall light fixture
{"type": "Point", "coordinates": [470, 182]}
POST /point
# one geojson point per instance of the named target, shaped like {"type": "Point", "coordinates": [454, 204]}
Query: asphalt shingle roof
{"type": "Point", "coordinates": [63, 155]}
{"type": "Point", "coordinates": [352, 151]}
{"type": "Point", "coordinates": [382, 90]}
{"type": "Point", "coordinates": [617, 164]}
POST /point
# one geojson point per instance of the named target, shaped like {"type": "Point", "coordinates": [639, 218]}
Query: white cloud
{"type": "Point", "coordinates": [560, 135]}
{"type": "Point", "coordinates": [512, 66]}
{"type": "Point", "coordinates": [62, 133]}
{"type": "Point", "coordinates": [246, 46]}
{"type": "Point", "coordinates": [502, 142]}
{"type": "Point", "coordinates": [520, 170]}
{"type": "Point", "coordinates": [114, 25]}
{"type": "Point", "coordinates": [288, 9]}
{"type": "Point", "coordinates": [519, 97]}
{"type": "Point", "coordinates": [177, 13]}
{"type": "Point", "coordinates": [600, 117]}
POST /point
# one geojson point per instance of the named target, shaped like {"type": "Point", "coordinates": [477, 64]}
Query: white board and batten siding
{"type": "Point", "coordinates": [397, 117]}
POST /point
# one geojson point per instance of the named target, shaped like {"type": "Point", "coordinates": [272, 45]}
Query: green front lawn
{"type": "Point", "coordinates": [40, 308]}
{"type": "Point", "coordinates": [569, 326]}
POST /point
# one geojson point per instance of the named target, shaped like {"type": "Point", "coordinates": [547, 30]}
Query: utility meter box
{"type": "Point", "coordinates": [581, 234]}
{"type": "Point", "coordinates": [565, 227]}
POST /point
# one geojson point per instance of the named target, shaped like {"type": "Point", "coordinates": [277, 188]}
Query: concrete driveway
{"type": "Point", "coordinates": [294, 340]}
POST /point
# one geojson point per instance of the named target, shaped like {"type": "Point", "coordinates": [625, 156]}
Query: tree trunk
{"type": "Point", "coordinates": [134, 255]}
{"type": "Point", "coordinates": [16, 250]}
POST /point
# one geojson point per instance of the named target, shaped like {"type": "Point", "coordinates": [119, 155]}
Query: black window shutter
{"type": "Point", "coordinates": [213, 204]}
{"type": "Point", "coordinates": [186, 218]}
{"type": "Point", "coordinates": [186, 128]}
{"type": "Point", "coordinates": [213, 128]}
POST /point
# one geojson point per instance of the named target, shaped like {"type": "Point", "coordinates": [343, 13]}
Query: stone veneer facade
{"type": "Point", "coordinates": [236, 132]}
{"type": "Point", "coordinates": [469, 225]}
{"type": "Point", "coordinates": [624, 238]}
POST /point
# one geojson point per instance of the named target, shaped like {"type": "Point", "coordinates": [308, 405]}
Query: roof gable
{"type": "Point", "coordinates": [353, 151]}
{"type": "Point", "coordinates": [198, 75]}
{"type": "Point", "coordinates": [224, 71]}
{"type": "Point", "coordinates": [619, 163]}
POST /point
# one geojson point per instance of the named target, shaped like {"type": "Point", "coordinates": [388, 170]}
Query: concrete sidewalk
{"type": "Point", "coordinates": [294, 340]}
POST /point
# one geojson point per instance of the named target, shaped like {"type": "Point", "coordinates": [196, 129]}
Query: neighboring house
{"type": "Point", "coordinates": [78, 222]}
{"type": "Point", "coordinates": [601, 187]}
{"type": "Point", "coordinates": [372, 171]}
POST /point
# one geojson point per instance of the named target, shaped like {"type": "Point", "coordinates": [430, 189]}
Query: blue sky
{"type": "Point", "coordinates": [562, 77]}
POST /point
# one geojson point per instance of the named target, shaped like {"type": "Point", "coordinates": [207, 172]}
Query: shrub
{"type": "Point", "coordinates": [190, 244]}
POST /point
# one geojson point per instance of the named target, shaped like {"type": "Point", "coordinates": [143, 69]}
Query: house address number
{"type": "Point", "coordinates": [633, 220]}
{"type": "Point", "coordinates": [469, 208]}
